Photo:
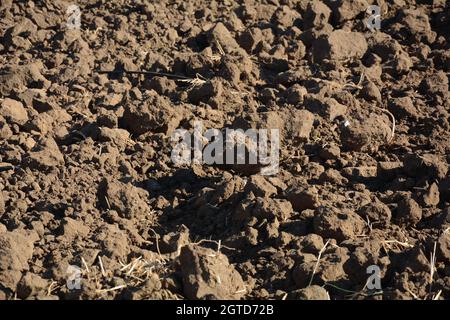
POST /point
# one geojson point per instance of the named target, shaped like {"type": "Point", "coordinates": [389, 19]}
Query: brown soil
{"type": "Point", "coordinates": [86, 177]}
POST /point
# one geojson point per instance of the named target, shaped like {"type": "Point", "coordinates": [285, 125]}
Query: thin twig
{"type": "Point", "coordinates": [111, 289]}
{"type": "Point", "coordinates": [157, 243]}
{"type": "Point", "coordinates": [101, 266]}
{"type": "Point", "coordinates": [150, 73]}
{"type": "Point", "coordinates": [393, 123]}
{"type": "Point", "coordinates": [413, 294]}
{"type": "Point", "coordinates": [318, 260]}
{"type": "Point", "coordinates": [134, 265]}
{"type": "Point", "coordinates": [353, 293]}
{"type": "Point", "coordinates": [107, 202]}
{"type": "Point", "coordinates": [85, 264]}
{"type": "Point", "coordinates": [436, 297]}
{"type": "Point", "coordinates": [218, 243]}
{"type": "Point", "coordinates": [432, 265]}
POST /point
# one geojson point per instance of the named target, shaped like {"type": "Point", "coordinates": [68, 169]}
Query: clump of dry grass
{"type": "Point", "coordinates": [194, 82]}
{"type": "Point", "coordinates": [140, 270]}
{"type": "Point", "coordinates": [395, 245]}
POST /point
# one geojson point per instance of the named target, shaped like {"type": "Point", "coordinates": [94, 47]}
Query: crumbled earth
{"type": "Point", "coordinates": [93, 207]}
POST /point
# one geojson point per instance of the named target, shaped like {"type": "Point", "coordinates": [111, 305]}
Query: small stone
{"type": "Point", "coordinates": [172, 34]}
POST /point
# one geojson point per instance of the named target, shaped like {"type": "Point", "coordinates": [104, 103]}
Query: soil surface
{"type": "Point", "coordinates": [86, 177]}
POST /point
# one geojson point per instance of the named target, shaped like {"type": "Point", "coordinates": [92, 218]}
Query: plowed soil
{"type": "Point", "coordinates": [87, 180]}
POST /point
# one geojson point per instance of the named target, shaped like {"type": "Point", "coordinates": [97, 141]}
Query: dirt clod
{"type": "Point", "coordinates": [337, 224]}
{"type": "Point", "coordinates": [409, 212]}
{"type": "Point", "coordinates": [207, 274]}
{"type": "Point", "coordinates": [16, 249]}
{"type": "Point", "coordinates": [126, 199]}
{"type": "Point", "coordinates": [340, 45]}
{"type": "Point", "coordinates": [310, 293]}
